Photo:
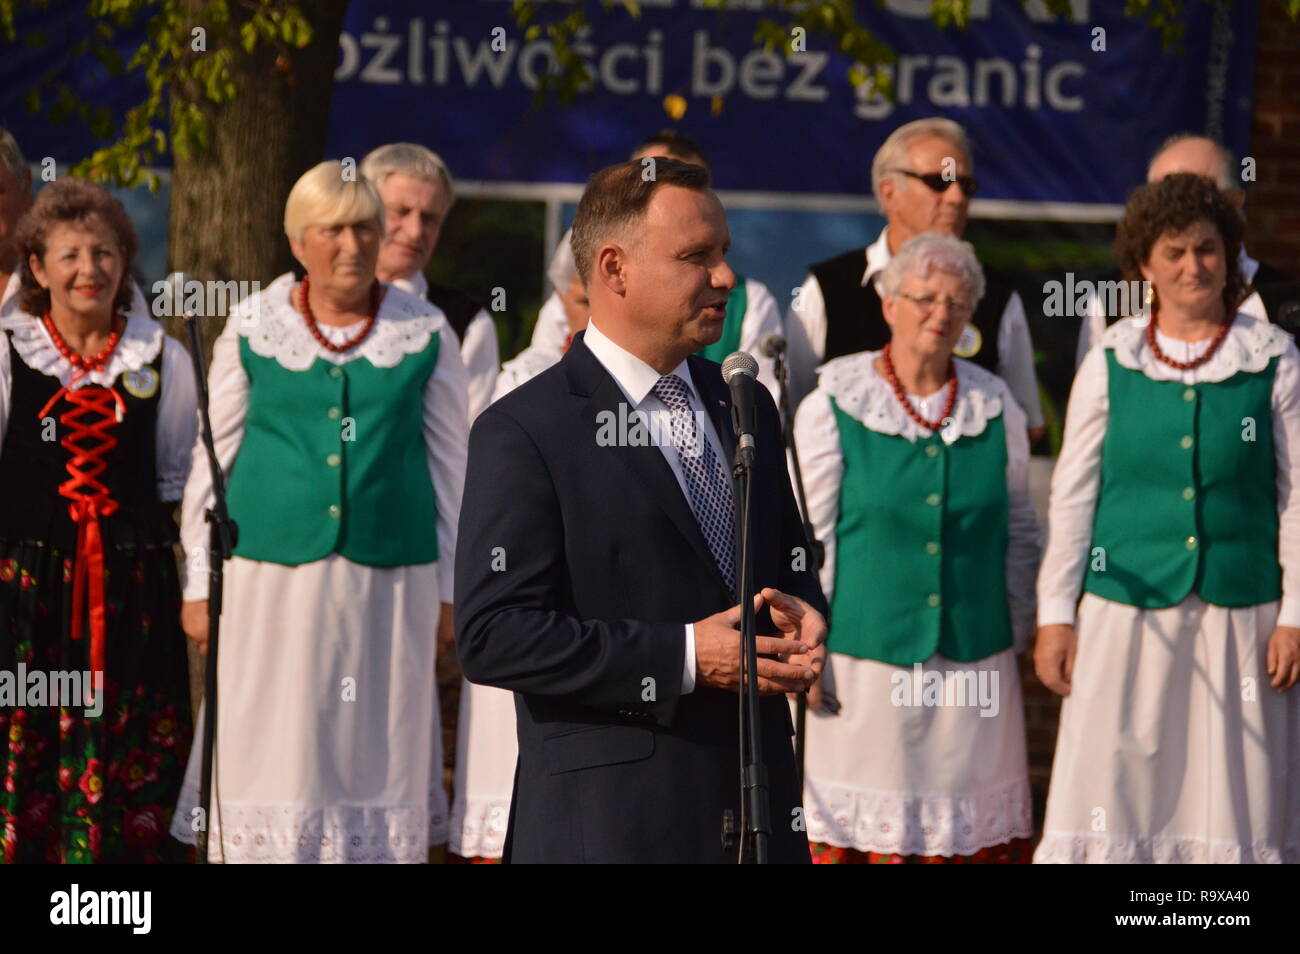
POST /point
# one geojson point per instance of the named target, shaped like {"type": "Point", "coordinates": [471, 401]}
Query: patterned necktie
{"type": "Point", "coordinates": [707, 481]}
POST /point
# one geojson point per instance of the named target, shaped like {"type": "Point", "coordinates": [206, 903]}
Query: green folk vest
{"type": "Point", "coordinates": [333, 461]}
{"type": "Point", "coordinates": [1188, 499]}
{"type": "Point", "coordinates": [921, 545]}
{"type": "Point", "coordinates": [737, 304]}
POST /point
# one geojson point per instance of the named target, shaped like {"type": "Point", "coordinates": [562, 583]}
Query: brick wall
{"type": "Point", "coordinates": [1273, 201]}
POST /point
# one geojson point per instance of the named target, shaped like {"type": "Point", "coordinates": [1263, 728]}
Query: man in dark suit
{"type": "Point", "coordinates": [595, 567]}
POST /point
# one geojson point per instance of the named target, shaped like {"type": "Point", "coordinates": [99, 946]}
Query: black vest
{"type": "Point", "coordinates": [1280, 294]}
{"type": "Point", "coordinates": [32, 468]}
{"type": "Point", "coordinates": [459, 308]}
{"type": "Point", "coordinates": [855, 321]}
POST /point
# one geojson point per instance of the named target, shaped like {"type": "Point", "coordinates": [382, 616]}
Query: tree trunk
{"type": "Point", "coordinates": [227, 204]}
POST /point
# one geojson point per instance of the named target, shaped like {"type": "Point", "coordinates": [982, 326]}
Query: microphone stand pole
{"type": "Point", "coordinates": [754, 803]}
{"type": "Point", "coordinates": [816, 552]}
{"type": "Point", "coordinates": [223, 536]}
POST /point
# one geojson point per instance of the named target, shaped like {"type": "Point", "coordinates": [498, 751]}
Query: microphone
{"type": "Point", "coordinates": [772, 345]}
{"type": "Point", "coordinates": [740, 370]}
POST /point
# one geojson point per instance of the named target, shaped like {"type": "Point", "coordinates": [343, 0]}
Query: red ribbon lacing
{"type": "Point", "coordinates": [104, 409]}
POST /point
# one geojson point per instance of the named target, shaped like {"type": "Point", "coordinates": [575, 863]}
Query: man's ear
{"type": "Point", "coordinates": [610, 268]}
{"type": "Point", "coordinates": [888, 189]}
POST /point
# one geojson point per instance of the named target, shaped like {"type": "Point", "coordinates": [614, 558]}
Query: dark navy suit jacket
{"type": "Point", "coordinates": [577, 567]}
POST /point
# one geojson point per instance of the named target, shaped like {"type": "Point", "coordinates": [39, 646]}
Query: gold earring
{"type": "Point", "coordinates": [1151, 294]}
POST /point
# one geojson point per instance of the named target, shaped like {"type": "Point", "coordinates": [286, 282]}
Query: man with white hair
{"type": "Point", "coordinates": [922, 177]}
{"type": "Point", "coordinates": [15, 198]}
{"type": "Point", "coordinates": [1273, 295]}
{"type": "Point", "coordinates": [417, 191]}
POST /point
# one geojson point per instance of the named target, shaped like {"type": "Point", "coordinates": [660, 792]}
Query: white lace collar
{"type": "Point", "coordinates": [862, 392]}
{"type": "Point", "coordinates": [141, 341]}
{"type": "Point", "coordinates": [1249, 346]}
{"type": "Point", "coordinates": [525, 366]}
{"type": "Point", "coordinates": [274, 329]}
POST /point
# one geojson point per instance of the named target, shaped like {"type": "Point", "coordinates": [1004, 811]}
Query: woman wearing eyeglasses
{"type": "Point", "coordinates": [1175, 510]}
{"type": "Point", "coordinates": [916, 470]}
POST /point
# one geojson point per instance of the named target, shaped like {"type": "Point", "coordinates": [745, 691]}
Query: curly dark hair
{"type": "Point", "coordinates": [71, 200]}
{"type": "Point", "coordinates": [1171, 205]}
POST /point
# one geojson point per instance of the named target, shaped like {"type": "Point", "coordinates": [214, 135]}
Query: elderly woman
{"type": "Point", "coordinates": [1175, 508]}
{"type": "Point", "coordinates": [339, 410]}
{"type": "Point", "coordinates": [916, 470]}
{"type": "Point", "coordinates": [486, 748]}
{"type": "Point", "coordinates": [97, 418]}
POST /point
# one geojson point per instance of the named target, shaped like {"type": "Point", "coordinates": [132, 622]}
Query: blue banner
{"type": "Point", "coordinates": [1063, 109]}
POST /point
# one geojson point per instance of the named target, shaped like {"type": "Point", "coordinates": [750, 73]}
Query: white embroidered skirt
{"type": "Point", "coordinates": [919, 762]}
{"type": "Point", "coordinates": [486, 751]}
{"type": "Point", "coordinates": [328, 736]}
{"type": "Point", "coordinates": [1173, 747]}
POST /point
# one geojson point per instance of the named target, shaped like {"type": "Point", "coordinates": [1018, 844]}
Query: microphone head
{"type": "Point", "coordinates": [771, 344]}
{"type": "Point", "coordinates": [739, 362]}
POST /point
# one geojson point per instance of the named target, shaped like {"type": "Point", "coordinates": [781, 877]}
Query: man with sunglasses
{"type": "Point", "coordinates": [922, 177]}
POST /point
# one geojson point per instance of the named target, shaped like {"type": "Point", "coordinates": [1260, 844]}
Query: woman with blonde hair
{"type": "Point", "coordinates": [339, 413]}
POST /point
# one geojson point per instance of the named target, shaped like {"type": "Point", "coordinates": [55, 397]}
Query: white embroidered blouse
{"type": "Point", "coordinates": [274, 329]}
{"type": "Point", "coordinates": [1249, 346]}
{"type": "Point", "coordinates": [861, 392]}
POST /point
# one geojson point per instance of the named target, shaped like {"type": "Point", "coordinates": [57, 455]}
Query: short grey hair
{"type": "Point", "coordinates": [1226, 179]}
{"type": "Point", "coordinates": [12, 156]}
{"type": "Point", "coordinates": [922, 253]}
{"type": "Point", "coordinates": [892, 153]}
{"type": "Point", "coordinates": [408, 159]}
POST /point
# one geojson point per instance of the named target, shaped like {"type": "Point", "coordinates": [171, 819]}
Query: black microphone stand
{"type": "Point", "coordinates": [222, 538]}
{"type": "Point", "coordinates": [755, 818]}
{"type": "Point", "coordinates": [816, 551]}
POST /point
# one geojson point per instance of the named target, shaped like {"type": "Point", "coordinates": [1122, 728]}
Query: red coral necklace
{"type": "Point", "coordinates": [912, 412]}
{"type": "Point", "coordinates": [304, 306]}
{"type": "Point", "coordinates": [1195, 362]}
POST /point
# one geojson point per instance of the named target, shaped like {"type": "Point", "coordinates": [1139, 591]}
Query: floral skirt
{"type": "Point", "coordinates": [86, 784]}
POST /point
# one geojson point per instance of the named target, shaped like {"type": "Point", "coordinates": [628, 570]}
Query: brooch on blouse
{"type": "Point", "coordinates": [142, 383]}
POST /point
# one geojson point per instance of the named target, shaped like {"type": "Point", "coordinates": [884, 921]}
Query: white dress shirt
{"type": "Point", "coordinates": [806, 336]}
{"type": "Point", "coordinates": [635, 378]}
{"type": "Point", "coordinates": [1077, 477]}
{"type": "Point", "coordinates": [1094, 324]}
{"type": "Point", "coordinates": [762, 317]}
{"type": "Point", "coordinates": [478, 349]}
